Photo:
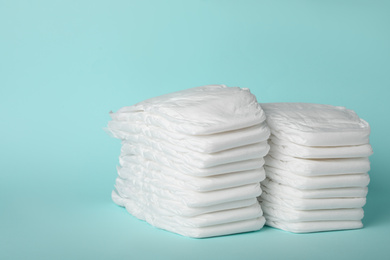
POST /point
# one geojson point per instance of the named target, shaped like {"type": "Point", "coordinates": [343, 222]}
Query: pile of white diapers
{"type": "Point", "coordinates": [192, 161]}
{"type": "Point", "coordinates": [316, 168]}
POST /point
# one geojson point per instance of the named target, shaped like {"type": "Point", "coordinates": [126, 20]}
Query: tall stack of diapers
{"type": "Point", "coordinates": [316, 168]}
{"type": "Point", "coordinates": [191, 161]}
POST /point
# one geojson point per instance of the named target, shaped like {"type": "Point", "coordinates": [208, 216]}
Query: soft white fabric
{"type": "Point", "coordinates": [203, 220]}
{"type": "Point", "coordinates": [317, 182]}
{"type": "Point", "coordinates": [314, 226]}
{"type": "Point", "coordinates": [310, 204]}
{"type": "Point", "coordinates": [318, 152]}
{"type": "Point", "coordinates": [196, 159]}
{"type": "Point", "coordinates": [276, 188]}
{"type": "Point", "coordinates": [217, 230]}
{"type": "Point", "coordinates": [178, 208]}
{"type": "Point", "coordinates": [315, 124]}
{"type": "Point", "coordinates": [284, 214]}
{"type": "Point", "coordinates": [197, 111]}
{"type": "Point", "coordinates": [187, 169]}
{"type": "Point", "coordinates": [207, 225]}
{"type": "Point", "coordinates": [146, 187]}
{"type": "Point", "coordinates": [136, 131]}
{"type": "Point", "coordinates": [140, 167]}
{"type": "Point", "coordinates": [316, 167]}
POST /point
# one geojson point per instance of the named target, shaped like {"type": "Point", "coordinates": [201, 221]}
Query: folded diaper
{"type": "Point", "coordinates": [275, 187]}
{"type": "Point", "coordinates": [316, 124]}
{"type": "Point", "coordinates": [135, 131]}
{"type": "Point", "coordinates": [188, 198]}
{"type": "Point", "coordinates": [197, 111]}
{"type": "Point", "coordinates": [196, 159]}
{"type": "Point", "coordinates": [206, 224]}
{"type": "Point", "coordinates": [180, 209]}
{"type": "Point", "coordinates": [161, 159]}
{"type": "Point", "coordinates": [314, 226]}
{"type": "Point", "coordinates": [315, 167]}
{"type": "Point", "coordinates": [285, 214]}
{"type": "Point", "coordinates": [309, 204]}
{"type": "Point", "coordinates": [318, 152]}
{"type": "Point", "coordinates": [140, 167]}
{"type": "Point", "coordinates": [317, 182]}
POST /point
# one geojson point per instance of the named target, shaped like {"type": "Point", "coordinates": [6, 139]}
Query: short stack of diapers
{"type": "Point", "coordinates": [191, 162]}
{"type": "Point", "coordinates": [316, 168]}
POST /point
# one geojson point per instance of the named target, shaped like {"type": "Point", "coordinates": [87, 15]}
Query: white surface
{"type": "Point", "coordinates": [317, 167]}
{"type": "Point", "coordinates": [315, 124]}
{"type": "Point", "coordinates": [148, 187]}
{"type": "Point", "coordinates": [317, 182]}
{"type": "Point", "coordinates": [207, 225]}
{"type": "Point", "coordinates": [284, 214]}
{"type": "Point", "coordinates": [192, 158]}
{"type": "Point", "coordinates": [159, 173]}
{"type": "Point", "coordinates": [318, 152]}
{"type": "Point", "coordinates": [274, 187]}
{"type": "Point", "coordinates": [178, 208]}
{"type": "Point", "coordinates": [314, 226]}
{"type": "Point", "coordinates": [310, 204]}
{"type": "Point", "coordinates": [197, 111]}
{"type": "Point", "coordinates": [160, 158]}
{"type": "Point", "coordinates": [138, 131]}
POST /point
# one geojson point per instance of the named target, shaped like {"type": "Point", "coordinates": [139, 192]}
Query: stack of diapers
{"type": "Point", "coordinates": [191, 162]}
{"type": "Point", "coordinates": [316, 168]}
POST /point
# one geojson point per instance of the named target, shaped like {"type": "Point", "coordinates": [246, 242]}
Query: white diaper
{"type": "Point", "coordinates": [187, 169]}
{"type": "Point", "coordinates": [314, 226]}
{"type": "Point", "coordinates": [318, 152]}
{"type": "Point", "coordinates": [133, 131]}
{"type": "Point", "coordinates": [310, 204]}
{"type": "Point", "coordinates": [197, 111]}
{"type": "Point", "coordinates": [275, 188]}
{"type": "Point", "coordinates": [316, 167]}
{"type": "Point", "coordinates": [229, 221]}
{"type": "Point", "coordinates": [317, 182]}
{"type": "Point", "coordinates": [316, 125]}
{"type": "Point", "coordinates": [292, 215]}
{"type": "Point", "coordinates": [141, 167]}
{"type": "Point", "coordinates": [196, 159]}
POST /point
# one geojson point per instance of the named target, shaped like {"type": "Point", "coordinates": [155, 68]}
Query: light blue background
{"type": "Point", "coordinates": [65, 64]}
